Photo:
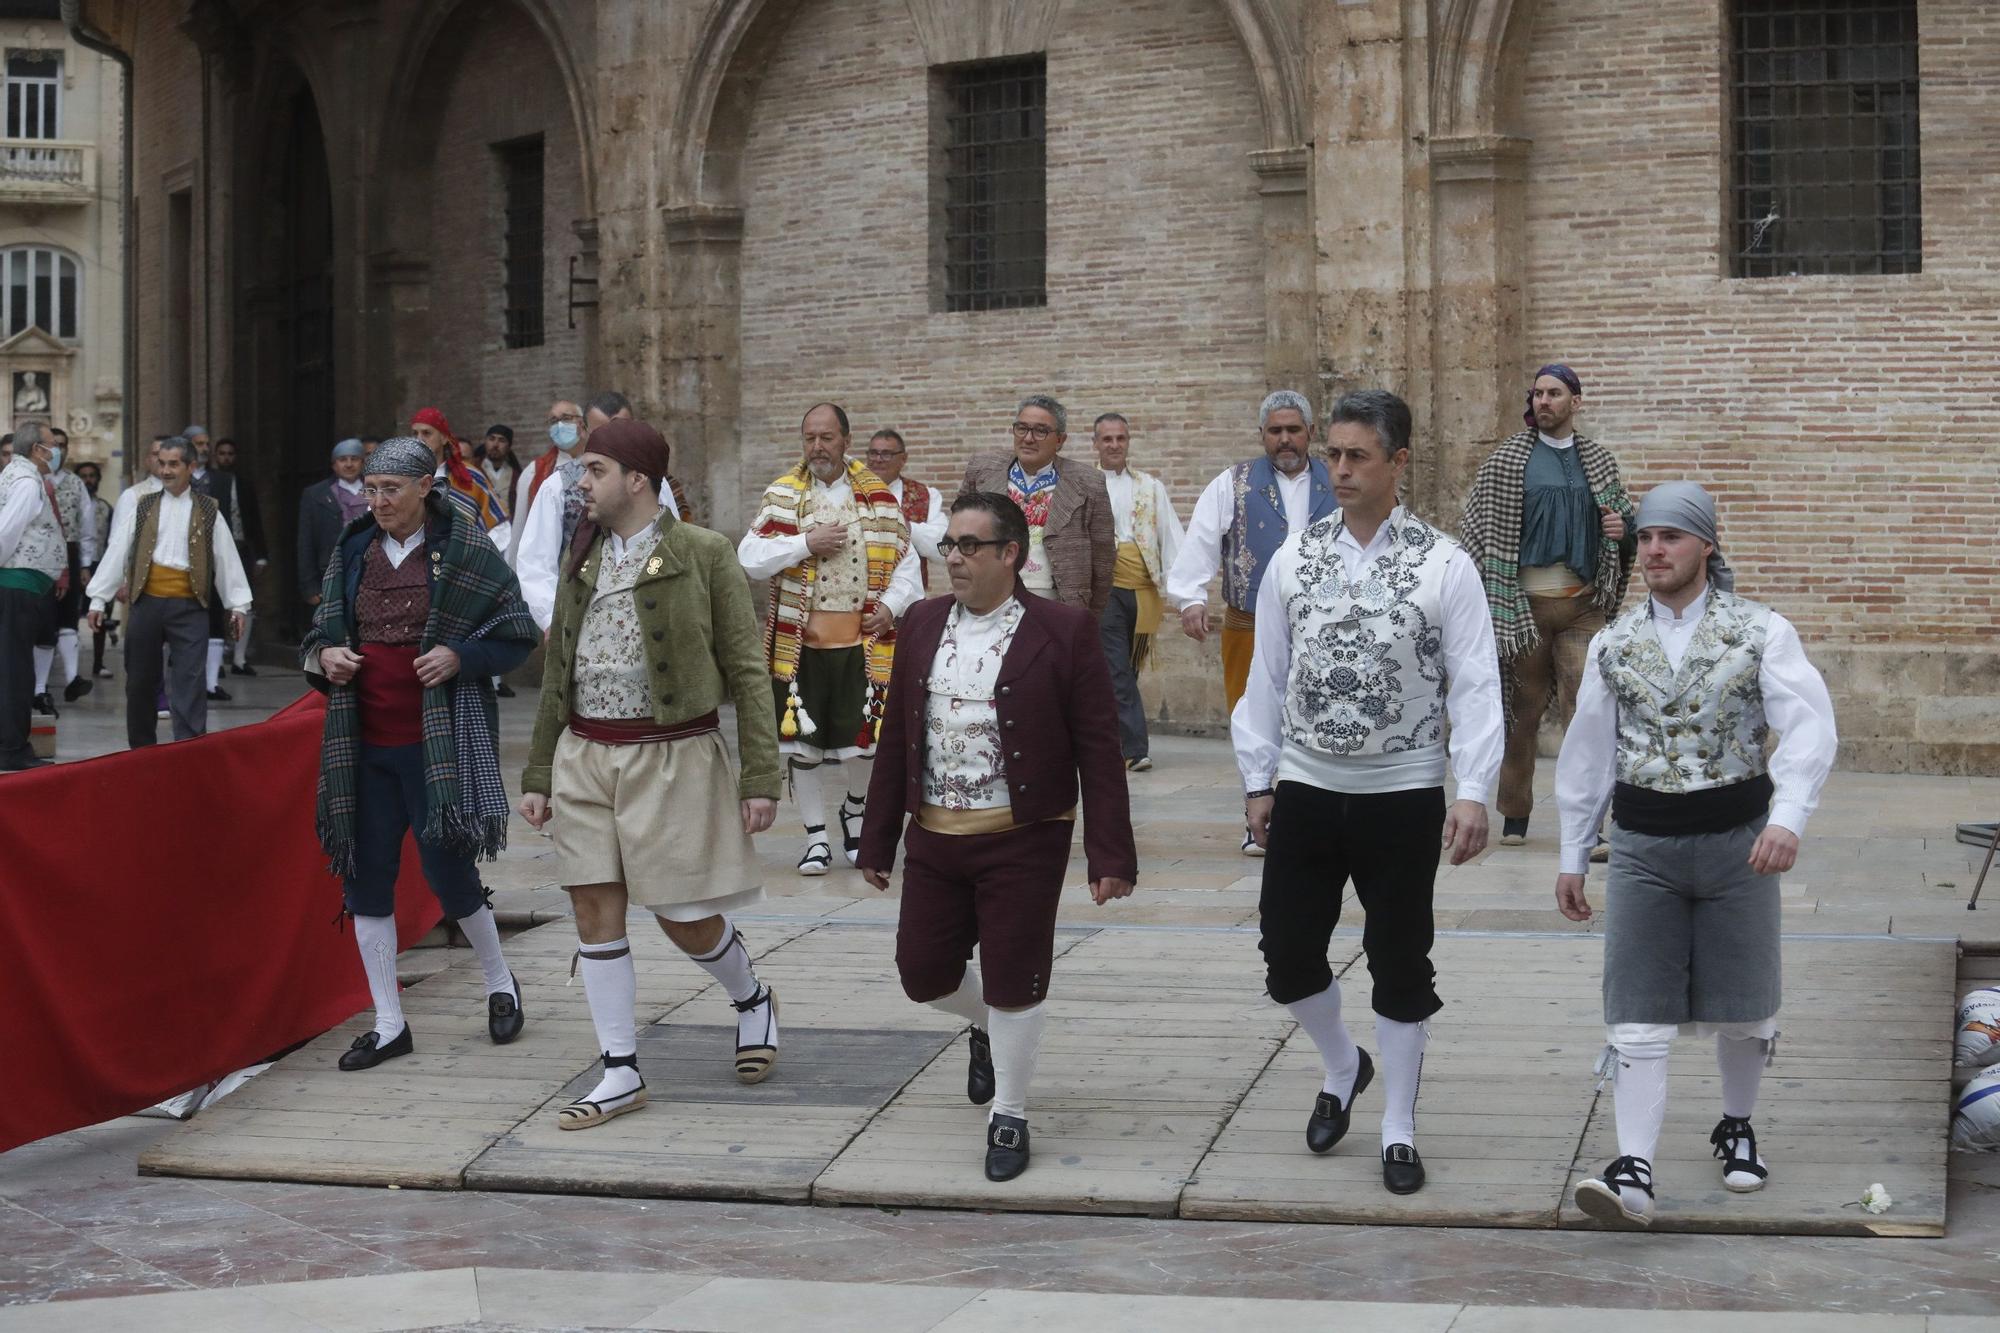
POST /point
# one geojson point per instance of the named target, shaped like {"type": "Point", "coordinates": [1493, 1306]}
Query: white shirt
{"type": "Point", "coordinates": [351, 487]}
{"type": "Point", "coordinates": [1472, 670]}
{"type": "Point", "coordinates": [924, 536]}
{"type": "Point", "coordinates": [767, 557]}
{"type": "Point", "coordinates": [1200, 553]}
{"type": "Point", "coordinates": [399, 551]}
{"type": "Point", "coordinates": [170, 548]}
{"type": "Point", "coordinates": [1567, 442]}
{"type": "Point", "coordinates": [23, 503]}
{"type": "Point", "coordinates": [92, 540]}
{"type": "Point", "coordinates": [1796, 703]}
{"type": "Point", "coordinates": [538, 559]}
{"type": "Point", "coordinates": [1123, 488]}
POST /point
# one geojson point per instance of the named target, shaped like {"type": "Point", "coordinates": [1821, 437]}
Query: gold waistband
{"type": "Point", "coordinates": [958, 823]}
{"type": "Point", "coordinates": [832, 629]}
{"type": "Point", "coordinates": [1243, 622]}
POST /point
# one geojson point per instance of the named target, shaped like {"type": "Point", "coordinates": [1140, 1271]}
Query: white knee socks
{"type": "Point", "coordinates": [611, 985]}
{"type": "Point", "coordinates": [66, 650]}
{"type": "Point", "coordinates": [1017, 1039]}
{"type": "Point", "coordinates": [858, 771]}
{"type": "Point", "coordinates": [483, 933]}
{"type": "Point", "coordinates": [44, 658]}
{"type": "Point", "coordinates": [1639, 1094]}
{"type": "Point", "coordinates": [1741, 1062]}
{"type": "Point", "coordinates": [730, 965]}
{"type": "Point", "coordinates": [1319, 1015]}
{"type": "Point", "coordinates": [375, 937]}
{"type": "Point", "coordinates": [806, 792]}
{"type": "Point", "coordinates": [214, 665]}
{"type": "Point", "coordinates": [968, 1001]}
{"type": "Point", "coordinates": [1402, 1046]}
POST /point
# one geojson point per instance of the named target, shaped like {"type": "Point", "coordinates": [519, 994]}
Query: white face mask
{"type": "Point", "coordinates": [563, 435]}
{"type": "Point", "coordinates": [55, 458]}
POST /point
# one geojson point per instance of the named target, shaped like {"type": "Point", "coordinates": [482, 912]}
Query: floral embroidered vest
{"type": "Point", "coordinates": [1699, 727]}
{"type": "Point", "coordinates": [41, 547]}
{"type": "Point", "coordinates": [1368, 670]}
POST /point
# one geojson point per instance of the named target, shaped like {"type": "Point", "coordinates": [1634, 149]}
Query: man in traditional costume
{"type": "Point", "coordinates": [79, 525]}
{"type": "Point", "coordinates": [1673, 721]}
{"type": "Point", "coordinates": [33, 562]}
{"type": "Point", "coordinates": [1371, 632]}
{"type": "Point", "coordinates": [923, 506]}
{"type": "Point", "coordinates": [1548, 523]}
{"type": "Point", "coordinates": [1072, 542]}
{"type": "Point", "coordinates": [172, 553]}
{"type": "Point", "coordinates": [999, 709]}
{"type": "Point", "coordinates": [1149, 538]}
{"type": "Point", "coordinates": [611, 405]}
{"type": "Point", "coordinates": [461, 479]}
{"type": "Point", "coordinates": [418, 612]}
{"type": "Point", "coordinates": [654, 628]}
{"type": "Point", "coordinates": [325, 509]}
{"type": "Point", "coordinates": [831, 538]}
{"type": "Point", "coordinates": [1241, 519]}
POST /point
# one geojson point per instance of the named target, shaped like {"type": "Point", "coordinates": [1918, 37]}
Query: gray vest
{"type": "Point", "coordinates": [1702, 726]}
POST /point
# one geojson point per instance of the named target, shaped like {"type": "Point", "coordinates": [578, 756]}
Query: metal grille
{"type": "Point", "coordinates": [521, 257]}
{"type": "Point", "coordinates": [1827, 172]}
{"type": "Point", "coordinates": [995, 195]}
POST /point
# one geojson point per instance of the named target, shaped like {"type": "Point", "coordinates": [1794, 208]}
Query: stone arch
{"type": "Point", "coordinates": [1475, 82]}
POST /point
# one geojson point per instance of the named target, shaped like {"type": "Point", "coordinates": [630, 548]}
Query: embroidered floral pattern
{"type": "Point", "coordinates": [1702, 726]}
{"type": "Point", "coordinates": [610, 674]}
{"type": "Point", "coordinates": [841, 583]}
{"type": "Point", "coordinates": [964, 766]}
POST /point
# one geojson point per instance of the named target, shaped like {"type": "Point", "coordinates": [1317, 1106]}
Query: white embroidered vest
{"type": "Point", "coordinates": [610, 672]}
{"type": "Point", "coordinates": [1368, 670]}
{"type": "Point", "coordinates": [1699, 727]}
{"type": "Point", "coordinates": [964, 766]}
{"type": "Point", "coordinates": [41, 547]}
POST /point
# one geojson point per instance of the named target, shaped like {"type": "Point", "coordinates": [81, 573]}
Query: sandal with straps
{"type": "Point", "coordinates": [583, 1113]}
{"type": "Point", "coordinates": [1602, 1197]}
{"type": "Point", "coordinates": [1743, 1171]}
{"type": "Point", "coordinates": [819, 854]}
{"type": "Point", "coordinates": [850, 836]}
{"type": "Point", "coordinates": [754, 1062]}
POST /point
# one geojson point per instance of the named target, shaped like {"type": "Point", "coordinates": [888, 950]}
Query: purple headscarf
{"type": "Point", "coordinates": [1561, 372]}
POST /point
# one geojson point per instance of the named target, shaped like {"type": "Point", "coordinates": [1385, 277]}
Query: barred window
{"type": "Point", "coordinates": [521, 253]}
{"type": "Point", "coordinates": [1826, 152]}
{"type": "Point", "coordinates": [991, 214]}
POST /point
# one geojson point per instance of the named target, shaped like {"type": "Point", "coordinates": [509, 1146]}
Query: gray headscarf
{"type": "Point", "coordinates": [1685, 506]}
{"type": "Point", "coordinates": [403, 456]}
{"type": "Point", "coordinates": [350, 448]}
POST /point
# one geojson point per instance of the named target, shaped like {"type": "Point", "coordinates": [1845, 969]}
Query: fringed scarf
{"type": "Point", "coordinates": [474, 595]}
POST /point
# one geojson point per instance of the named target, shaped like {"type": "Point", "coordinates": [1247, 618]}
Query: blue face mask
{"type": "Point", "coordinates": [55, 458]}
{"type": "Point", "coordinates": [563, 435]}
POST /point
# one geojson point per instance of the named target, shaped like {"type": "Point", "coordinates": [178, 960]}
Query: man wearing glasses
{"type": "Point", "coordinates": [999, 711]}
{"type": "Point", "coordinates": [923, 507]}
{"type": "Point", "coordinates": [1072, 540]}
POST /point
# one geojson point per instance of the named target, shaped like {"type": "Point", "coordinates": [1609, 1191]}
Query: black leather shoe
{"type": "Point", "coordinates": [505, 691]}
{"type": "Point", "coordinates": [1328, 1125]}
{"type": "Point", "coordinates": [979, 1073]}
{"type": "Point", "coordinates": [1006, 1147]}
{"type": "Point", "coordinates": [218, 695]}
{"type": "Point", "coordinates": [45, 704]}
{"type": "Point", "coordinates": [1402, 1169]}
{"type": "Point", "coordinates": [23, 765]}
{"type": "Point", "coordinates": [245, 670]}
{"type": "Point", "coordinates": [503, 1015]}
{"type": "Point", "coordinates": [77, 688]}
{"type": "Point", "coordinates": [369, 1050]}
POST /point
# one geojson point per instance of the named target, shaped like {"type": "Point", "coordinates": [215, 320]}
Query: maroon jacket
{"type": "Point", "coordinates": [1056, 714]}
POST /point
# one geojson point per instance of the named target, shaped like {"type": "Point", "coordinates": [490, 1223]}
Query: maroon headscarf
{"type": "Point", "coordinates": [634, 446]}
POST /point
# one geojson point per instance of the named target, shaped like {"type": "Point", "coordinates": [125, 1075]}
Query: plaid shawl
{"type": "Point", "coordinates": [474, 595]}
{"type": "Point", "coordinates": [1491, 533]}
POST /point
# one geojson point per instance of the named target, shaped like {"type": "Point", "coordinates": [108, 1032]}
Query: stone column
{"type": "Point", "coordinates": [700, 364]}
{"type": "Point", "coordinates": [1478, 202]}
{"type": "Point", "coordinates": [1284, 183]}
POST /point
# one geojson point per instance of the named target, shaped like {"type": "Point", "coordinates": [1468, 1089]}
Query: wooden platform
{"type": "Point", "coordinates": [1168, 1086]}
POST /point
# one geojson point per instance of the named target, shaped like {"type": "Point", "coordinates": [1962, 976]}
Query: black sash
{"type": "Point", "coordinates": [1671, 814]}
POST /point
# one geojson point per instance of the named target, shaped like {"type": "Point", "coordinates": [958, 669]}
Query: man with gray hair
{"type": "Point", "coordinates": [33, 562]}
{"type": "Point", "coordinates": [1072, 538]}
{"type": "Point", "coordinates": [1678, 699]}
{"type": "Point", "coordinates": [1242, 518]}
{"type": "Point", "coordinates": [172, 553]}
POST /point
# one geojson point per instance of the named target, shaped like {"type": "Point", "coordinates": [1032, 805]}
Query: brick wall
{"type": "Point", "coordinates": [1845, 424]}
{"type": "Point", "coordinates": [503, 87]}
{"type": "Point", "coordinates": [1155, 269]}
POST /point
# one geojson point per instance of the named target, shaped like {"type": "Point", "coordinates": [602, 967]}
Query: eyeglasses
{"type": "Point", "coordinates": [567, 416]}
{"type": "Point", "coordinates": [968, 546]}
{"type": "Point", "coordinates": [887, 453]}
{"type": "Point", "coordinates": [1023, 431]}
{"type": "Point", "coordinates": [384, 492]}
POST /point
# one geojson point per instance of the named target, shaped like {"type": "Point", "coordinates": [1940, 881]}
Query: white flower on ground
{"type": "Point", "coordinates": [1875, 1199]}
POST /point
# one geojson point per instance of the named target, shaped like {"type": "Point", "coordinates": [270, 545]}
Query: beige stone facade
{"type": "Point", "coordinates": [1431, 195]}
{"type": "Point", "coordinates": [62, 347]}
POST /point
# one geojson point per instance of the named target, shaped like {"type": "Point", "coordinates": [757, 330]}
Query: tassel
{"type": "Point", "coordinates": [789, 726]}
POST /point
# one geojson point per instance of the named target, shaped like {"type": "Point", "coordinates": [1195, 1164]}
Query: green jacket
{"type": "Point", "coordinates": [704, 642]}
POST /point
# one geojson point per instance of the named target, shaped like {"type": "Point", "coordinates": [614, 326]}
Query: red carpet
{"type": "Point", "coordinates": [166, 918]}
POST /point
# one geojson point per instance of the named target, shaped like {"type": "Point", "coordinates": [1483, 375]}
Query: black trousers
{"type": "Point", "coordinates": [1388, 843]}
{"type": "Point", "coordinates": [180, 626]}
{"type": "Point", "coordinates": [22, 615]}
{"type": "Point", "coordinates": [1115, 630]}
{"type": "Point", "coordinates": [390, 802]}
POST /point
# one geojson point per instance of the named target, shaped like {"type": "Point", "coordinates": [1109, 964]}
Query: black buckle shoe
{"type": "Point", "coordinates": [77, 688]}
{"type": "Point", "coordinates": [504, 1019]}
{"type": "Point", "coordinates": [370, 1050]}
{"type": "Point", "coordinates": [45, 704]}
{"type": "Point", "coordinates": [218, 695]}
{"type": "Point", "coordinates": [1402, 1169]}
{"type": "Point", "coordinates": [1006, 1147]}
{"type": "Point", "coordinates": [979, 1070]}
{"type": "Point", "coordinates": [1328, 1125]}
{"type": "Point", "coordinates": [245, 670]}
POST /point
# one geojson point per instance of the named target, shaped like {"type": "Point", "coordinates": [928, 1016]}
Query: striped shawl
{"type": "Point", "coordinates": [887, 535]}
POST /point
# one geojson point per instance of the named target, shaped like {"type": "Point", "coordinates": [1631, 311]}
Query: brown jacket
{"type": "Point", "coordinates": [1081, 541]}
{"type": "Point", "coordinates": [1056, 716]}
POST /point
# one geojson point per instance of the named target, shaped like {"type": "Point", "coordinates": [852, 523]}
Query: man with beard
{"type": "Point", "coordinates": [1242, 518]}
{"type": "Point", "coordinates": [832, 540]}
{"type": "Point", "coordinates": [1673, 716]}
{"type": "Point", "coordinates": [1548, 524]}
{"type": "Point", "coordinates": [612, 405]}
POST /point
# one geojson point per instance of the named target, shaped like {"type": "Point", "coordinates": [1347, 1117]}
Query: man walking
{"type": "Point", "coordinates": [1547, 524]}
{"type": "Point", "coordinates": [417, 613]}
{"type": "Point", "coordinates": [923, 507]}
{"type": "Point", "coordinates": [99, 528]}
{"type": "Point", "coordinates": [173, 555]}
{"type": "Point", "coordinates": [325, 509]}
{"type": "Point", "coordinates": [654, 628]}
{"type": "Point", "coordinates": [999, 712]}
{"type": "Point", "coordinates": [34, 560]}
{"type": "Point", "coordinates": [1149, 538]}
{"type": "Point", "coordinates": [1241, 519]}
{"type": "Point", "coordinates": [1371, 633]}
{"type": "Point", "coordinates": [611, 405]}
{"type": "Point", "coordinates": [246, 524]}
{"type": "Point", "coordinates": [1072, 543]}
{"type": "Point", "coordinates": [57, 644]}
{"type": "Point", "coordinates": [1677, 702]}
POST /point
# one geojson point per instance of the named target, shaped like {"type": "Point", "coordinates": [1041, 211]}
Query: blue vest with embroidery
{"type": "Point", "coordinates": [1258, 527]}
